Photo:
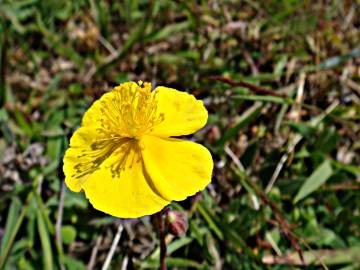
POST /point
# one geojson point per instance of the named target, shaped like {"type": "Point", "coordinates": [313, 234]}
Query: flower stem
{"type": "Point", "coordinates": [161, 228]}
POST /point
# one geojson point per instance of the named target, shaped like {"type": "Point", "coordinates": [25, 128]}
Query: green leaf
{"type": "Point", "coordinates": [315, 180]}
{"type": "Point", "coordinates": [303, 128]}
{"type": "Point", "coordinates": [73, 264]}
{"type": "Point", "coordinates": [68, 234]}
{"type": "Point", "coordinates": [73, 199]}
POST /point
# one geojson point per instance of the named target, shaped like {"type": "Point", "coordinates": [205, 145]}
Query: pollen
{"type": "Point", "coordinates": [132, 111]}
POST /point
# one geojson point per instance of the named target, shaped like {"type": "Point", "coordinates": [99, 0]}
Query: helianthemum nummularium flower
{"type": "Point", "coordinates": [124, 157]}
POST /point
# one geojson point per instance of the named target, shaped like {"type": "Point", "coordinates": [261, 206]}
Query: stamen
{"type": "Point", "coordinates": [133, 110]}
{"type": "Point", "coordinates": [96, 154]}
{"type": "Point", "coordinates": [129, 114]}
{"type": "Point", "coordinates": [128, 155]}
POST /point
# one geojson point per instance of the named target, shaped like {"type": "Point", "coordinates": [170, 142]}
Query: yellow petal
{"type": "Point", "coordinates": [117, 184]}
{"type": "Point", "coordinates": [177, 168]}
{"type": "Point", "coordinates": [93, 115]}
{"type": "Point", "coordinates": [183, 113]}
{"type": "Point", "coordinates": [89, 149]}
{"type": "Point", "coordinates": [127, 196]}
{"type": "Point", "coordinates": [79, 160]}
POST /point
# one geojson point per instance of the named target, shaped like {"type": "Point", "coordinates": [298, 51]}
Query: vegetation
{"type": "Point", "coordinates": [281, 82]}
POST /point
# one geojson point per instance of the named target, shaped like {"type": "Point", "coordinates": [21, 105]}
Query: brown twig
{"type": "Point", "coordinates": [113, 247]}
{"type": "Point", "coordinates": [293, 143]}
{"type": "Point", "coordinates": [3, 62]}
{"type": "Point", "coordinates": [252, 87]}
{"type": "Point", "coordinates": [284, 226]}
{"type": "Point", "coordinates": [282, 222]}
{"type": "Point", "coordinates": [94, 252]}
{"type": "Point", "coordinates": [161, 228]}
{"type": "Point", "coordinates": [348, 185]}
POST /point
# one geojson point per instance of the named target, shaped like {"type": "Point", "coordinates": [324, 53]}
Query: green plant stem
{"type": "Point", "coordinates": [58, 239]}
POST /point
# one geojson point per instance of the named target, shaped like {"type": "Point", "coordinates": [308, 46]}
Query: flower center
{"type": "Point", "coordinates": [132, 111]}
{"type": "Point", "coordinates": [128, 113]}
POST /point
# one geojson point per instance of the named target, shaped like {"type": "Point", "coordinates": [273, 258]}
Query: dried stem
{"type": "Point", "coordinates": [94, 252]}
{"type": "Point", "coordinates": [113, 247]}
{"type": "Point", "coordinates": [3, 61]}
{"type": "Point", "coordinates": [161, 228]}
{"type": "Point", "coordinates": [254, 88]}
{"type": "Point", "coordinates": [280, 219]}
{"type": "Point", "coordinates": [294, 143]}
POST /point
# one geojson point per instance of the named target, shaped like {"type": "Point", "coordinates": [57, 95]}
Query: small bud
{"type": "Point", "coordinates": [177, 222]}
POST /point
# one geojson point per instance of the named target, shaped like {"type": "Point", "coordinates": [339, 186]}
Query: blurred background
{"type": "Point", "coordinates": [281, 82]}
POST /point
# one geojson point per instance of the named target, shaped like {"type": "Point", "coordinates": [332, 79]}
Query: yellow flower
{"type": "Point", "coordinates": [123, 155]}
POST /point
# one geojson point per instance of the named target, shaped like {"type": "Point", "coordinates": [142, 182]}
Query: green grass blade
{"type": "Point", "coordinates": [167, 31]}
{"type": "Point", "coordinates": [173, 246]}
{"type": "Point", "coordinates": [14, 232]}
{"type": "Point", "coordinates": [179, 263]}
{"type": "Point", "coordinates": [272, 99]}
{"type": "Point", "coordinates": [11, 219]}
{"type": "Point", "coordinates": [246, 118]}
{"type": "Point", "coordinates": [210, 220]}
{"type": "Point", "coordinates": [326, 256]}
{"type": "Point", "coordinates": [315, 180]}
{"type": "Point", "coordinates": [45, 241]}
